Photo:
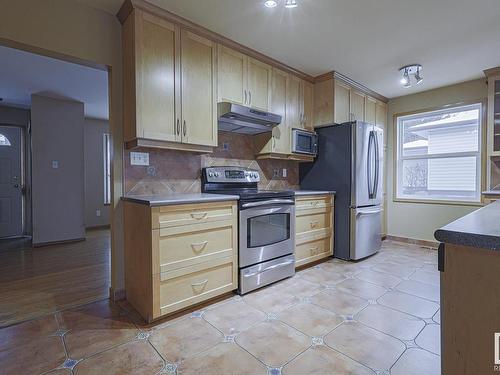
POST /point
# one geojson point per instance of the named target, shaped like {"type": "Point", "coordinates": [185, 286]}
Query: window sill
{"type": "Point", "coordinates": [439, 202]}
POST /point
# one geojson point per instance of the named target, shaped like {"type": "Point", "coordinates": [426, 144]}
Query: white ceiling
{"type": "Point", "coordinates": [367, 40]}
{"type": "Point", "coordinates": [23, 73]}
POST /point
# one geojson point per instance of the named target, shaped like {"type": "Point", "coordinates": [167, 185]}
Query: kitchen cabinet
{"type": "Point", "coordinates": [294, 102]}
{"type": "Point", "coordinates": [179, 255]}
{"type": "Point", "coordinates": [381, 121]}
{"type": "Point", "coordinates": [170, 87]}
{"type": "Point", "coordinates": [313, 228]}
{"type": "Point", "coordinates": [370, 110]}
{"type": "Point", "coordinates": [308, 105]}
{"type": "Point", "coordinates": [244, 80]}
{"type": "Point", "coordinates": [323, 92]}
{"type": "Point", "coordinates": [342, 103]}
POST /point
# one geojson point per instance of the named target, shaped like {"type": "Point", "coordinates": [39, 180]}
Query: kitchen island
{"type": "Point", "coordinates": [469, 262]}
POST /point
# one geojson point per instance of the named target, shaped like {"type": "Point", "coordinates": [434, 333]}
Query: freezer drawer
{"type": "Point", "coordinates": [365, 231]}
{"type": "Point", "coordinates": [262, 274]}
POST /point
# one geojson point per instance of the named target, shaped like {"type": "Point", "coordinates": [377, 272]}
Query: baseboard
{"type": "Point", "coordinates": [116, 295]}
{"type": "Point", "coordinates": [42, 244]}
{"type": "Point", "coordinates": [412, 241]}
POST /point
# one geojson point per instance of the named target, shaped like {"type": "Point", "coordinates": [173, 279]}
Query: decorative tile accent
{"type": "Point", "coordinates": [410, 344]}
{"type": "Point", "coordinates": [429, 321]}
{"type": "Point", "coordinates": [197, 314]}
{"type": "Point", "coordinates": [315, 341]}
{"type": "Point", "coordinates": [70, 363]}
{"type": "Point", "coordinates": [274, 371]}
{"type": "Point", "coordinates": [372, 302]}
{"type": "Point", "coordinates": [306, 300]}
{"type": "Point", "coordinates": [60, 332]}
{"type": "Point", "coordinates": [143, 335]}
{"type": "Point", "coordinates": [348, 318]}
{"type": "Point", "coordinates": [229, 338]}
{"type": "Point", "coordinates": [170, 368]}
{"type": "Point", "coordinates": [382, 372]}
{"type": "Point", "coordinates": [272, 316]}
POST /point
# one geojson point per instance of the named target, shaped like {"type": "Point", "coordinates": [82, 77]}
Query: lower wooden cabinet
{"type": "Point", "coordinates": [180, 255]}
{"type": "Point", "coordinates": [313, 228]}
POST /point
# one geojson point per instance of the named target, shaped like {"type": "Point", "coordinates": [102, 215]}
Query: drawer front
{"type": "Point", "coordinates": [187, 248]}
{"type": "Point", "coordinates": [172, 216]}
{"type": "Point", "coordinates": [177, 291]}
{"type": "Point", "coordinates": [312, 251]}
{"type": "Point", "coordinates": [313, 202]}
{"type": "Point", "coordinates": [308, 223]}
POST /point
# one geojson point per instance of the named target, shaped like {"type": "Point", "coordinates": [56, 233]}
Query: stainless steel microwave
{"type": "Point", "coordinates": [304, 142]}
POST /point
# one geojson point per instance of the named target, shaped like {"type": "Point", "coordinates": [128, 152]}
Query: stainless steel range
{"type": "Point", "coordinates": [266, 225]}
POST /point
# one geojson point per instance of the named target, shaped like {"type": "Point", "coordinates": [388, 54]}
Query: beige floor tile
{"type": "Point", "coordinates": [437, 317]}
{"type": "Point", "coordinates": [417, 362]}
{"type": "Point", "coordinates": [185, 338]}
{"type": "Point", "coordinates": [379, 278]}
{"type": "Point", "coordinates": [366, 345]}
{"type": "Point", "coordinates": [224, 358]}
{"type": "Point", "coordinates": [135, 357]}
{"type": "Point", "coordinates": [430, 338]}
{"type": "Point", "coordinates": [38, 356]}
{"type": "Point", "coordinates": [339, 302]}
{"type": "Point", "coordinates": [394, 269]}
{"type": "Point", "coordinates": [271, 300]}
{"type": "Point", "coordinates": [310, 319]}
{"type": "Point", "coordinates": [409, 304]}
{"type": "Point", "coordinates": [342, 267]}
{"type": "Point", "coordinates": [392, 322]}
{"type": "Point", "coordinates": [273, 342]}
{"type": "Point", "coordinates": [429, 277]}
{"type": "Point", "coordinates": [322, 276]}
{"type": "Point", "coordinates": [428, 291]}
{"type": "Point", "coordinates": [321, 360]}
{"type": "Point", "coordinates": [94, 328]}
{"type": "Point", "coordinates": [301, 288]}
{"type": "Point", "coordinates": [361, 288]}
{"type": "Point", "coordinates": [60, 371]}
{"type": "Point", "coordinates": [233, 317]}
{"type": "Point", "coordinates": [27, 332]}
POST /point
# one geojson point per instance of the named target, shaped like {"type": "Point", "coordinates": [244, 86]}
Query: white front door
{"type": "Point", "coordinates": [11, 206]}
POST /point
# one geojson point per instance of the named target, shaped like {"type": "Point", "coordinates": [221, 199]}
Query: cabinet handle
{"type": "Point", "coordinates": [314, 223]}
{"type": "Point", "coordinates": [249, 97]}
{"type": "Point", "coordinates": [314, 249]}
{"type": "Point", "coordinates": [200, 283]}
{"type": "Point", "coordinates": [178, 127]}
{"type": "Point", "coordinates": [274, 143]}
{"type": "Point", "coordinates": [184, 129]}
{"type": "Point", "coordinates": [200, 245]}
{"type": "Point", "coordinates": [199, 215]}
{"type": "Point", "coordinates": [245, 97]}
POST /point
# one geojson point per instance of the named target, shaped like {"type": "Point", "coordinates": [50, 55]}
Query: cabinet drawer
{"type": "Point", "coordinates": [311, 251]}
{"type": "Point", "coordinates": [172, 216]}
{"type": "Point", "coordinates": [188, 248]}
{"type": "Point", "coordinates": [177, 290]}
{"type": "Point", "coordinates": [313, 202]}
{"type": "Point", "coordinates": [312, 222]}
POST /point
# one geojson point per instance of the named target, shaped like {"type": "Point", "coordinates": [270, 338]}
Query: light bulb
{"type": "Point", "coordinates": [405, 80]}
{"type": "Point", "coordinates": [418, 77]}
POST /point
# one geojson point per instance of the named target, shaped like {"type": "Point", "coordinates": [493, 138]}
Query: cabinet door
{"type": "Point", "coordinates": [308, 105]}
{"type": "Point", "coordinates": [341, 104]}
{"type": "Point", "coordinates": [380, 121]}
{"type": "Point", "coordinates": [156, 100]}
{"type": "Point", "coordinates": [281, 133]}
{"type": "Point", "coordinates": [259, 85]}
{"type": "Point", "coordinates": [232, 76]}
{"type": "Point", "coordinates": [293, 104]}
{"type": "Point", "coordinates": [323, 102]}
{"type": "Point", "coordinates": [357, 106]}
{"type": "Point", "coordinates": [381, 115]}
{"type": "Point", "coordinates": [199, 90]}
{"type": "Point", "coordinates": [370, 109]}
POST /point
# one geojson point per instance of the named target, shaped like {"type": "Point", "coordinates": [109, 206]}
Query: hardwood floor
{"type": "Point", "coordinates": [39, 281]}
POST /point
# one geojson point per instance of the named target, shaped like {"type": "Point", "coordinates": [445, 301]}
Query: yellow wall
{"type": "Point", "coordinates": [419, 220]}
{"type": "Point", "coordinates": [63, 28]}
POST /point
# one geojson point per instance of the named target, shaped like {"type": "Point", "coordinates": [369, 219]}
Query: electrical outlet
{"type": "Point", "coordinates": [55, 164]}
{"type": "Point", "coordinates": [98, 213]}
{"type": "Point", "coordinates": [284, 173]}
{"type": "Point", "coordinates": [139, 158]}
{"type": "Point", "coordinates": [276, 173]}
{"type": "Point", "coordinates": [225, 146]}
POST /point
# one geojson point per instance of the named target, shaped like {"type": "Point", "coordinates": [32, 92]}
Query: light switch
{"type": "Point", "coordinates": [55, 164]}
{"type": "Point", "coordinates": [139, 158]}
{"type": "Point", "coordinates": [284, 174]}
{"type": "Point", "coordinates": [98, 212]}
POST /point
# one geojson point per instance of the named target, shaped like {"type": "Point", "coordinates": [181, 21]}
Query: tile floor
{"type": "Point", "coordinates": [377, 316]}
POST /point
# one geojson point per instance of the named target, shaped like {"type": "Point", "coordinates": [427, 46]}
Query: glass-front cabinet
{"type": "Point", "coordinates": [493, 119]}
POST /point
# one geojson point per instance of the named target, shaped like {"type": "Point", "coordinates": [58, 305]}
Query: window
{"type": "Point", "coordinates": [439, 155]}
{"type": "Point", "coordinates": [4, 141]}
{"type": "Point", "coordinates": [107, 168]}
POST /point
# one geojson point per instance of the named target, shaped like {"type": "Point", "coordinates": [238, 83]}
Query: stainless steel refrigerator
{"type": "Point", "coordinates": [350, 161]}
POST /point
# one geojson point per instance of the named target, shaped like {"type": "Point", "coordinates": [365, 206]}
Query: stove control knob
{"type": "Point", "coordinates": [217, 174]}
{"type": "Point", "coordinates": [255, 175]}
{"type": "Point", "coordinates": [210, 174]}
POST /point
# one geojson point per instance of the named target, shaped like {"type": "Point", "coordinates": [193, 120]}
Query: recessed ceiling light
{"type": "Point", "coordinates": [270, 3]}
{"type": "Point", "coordinates": [291, 4]}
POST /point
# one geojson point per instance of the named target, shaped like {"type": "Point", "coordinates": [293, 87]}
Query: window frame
{"type": "Point", "coordinates": [107, 158]}
{"type": "Point", "coordinates": [398, 159]}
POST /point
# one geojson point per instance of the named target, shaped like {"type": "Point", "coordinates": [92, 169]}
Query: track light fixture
{"type": "Point", "coordinates": [270, 3]}
{"type": "Point", "coordinates": [289, 4]}
{"type": "Point", "coordinates": [409, 70]}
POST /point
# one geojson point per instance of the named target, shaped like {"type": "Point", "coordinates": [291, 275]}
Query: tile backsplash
{"type": "Point", "coordinates": [172, 171]}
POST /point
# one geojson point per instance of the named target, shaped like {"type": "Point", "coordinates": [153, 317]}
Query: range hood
{"type": "Point", "coordinates": [236, 118]}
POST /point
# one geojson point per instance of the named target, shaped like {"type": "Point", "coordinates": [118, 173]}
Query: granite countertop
{"type": "Point", "coordinates": [491, 192]}
{"type": "Point", "coordinates": [313, 192]}
{"type": "Point", "coordinates": [178, 198]}
{"type": "Point", "coordinates": [480, 229]}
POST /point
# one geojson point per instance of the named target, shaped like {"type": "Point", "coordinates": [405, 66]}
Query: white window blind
{"type": "Point", "coordinates": [439, 155]}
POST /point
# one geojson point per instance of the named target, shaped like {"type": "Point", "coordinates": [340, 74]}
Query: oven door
{"type": "Point", "coordinates": [267, 230]}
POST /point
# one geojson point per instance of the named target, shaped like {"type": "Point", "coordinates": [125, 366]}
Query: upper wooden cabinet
{"type": "Point", "coordinates": [323, 102]}
{"type": "Point", "coordinates": [294, 102]}
{"type": "Point", "coordinates": [244, 80]}
{"type": "Point", "coordinates": [357, 106]}
{"type": "Point", "coordinates": [170, 87]}
{"type": "Point", "coordinates": [308, 105]}
{"type": "Point", "coordinates": [370, 109]}
{"type": "Point", "coordinates": [342, 102]}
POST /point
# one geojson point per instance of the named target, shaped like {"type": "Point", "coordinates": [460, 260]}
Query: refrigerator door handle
{"type": "Point", "coordinates": [377, 165]}
{"type": "Point", "coordinates": [369, 165]}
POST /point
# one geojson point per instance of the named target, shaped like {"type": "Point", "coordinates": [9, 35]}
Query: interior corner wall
{"type": "Point", "coordinates": [420, 220]}
{"type": "Point", "coordinates": [57, 170]}
{"type": "Point", "coordinates": [96, 212]}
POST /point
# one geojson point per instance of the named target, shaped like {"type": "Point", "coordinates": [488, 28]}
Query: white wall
{"type": "Point", "coordinates": [94, 131]}
{"type": "Point", "coordinates": [58, 193]}
{"type": "Point", "coordinates": [419, 220]}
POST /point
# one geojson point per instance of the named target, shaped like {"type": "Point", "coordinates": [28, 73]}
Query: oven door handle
{"type": "Point", "coordinates": [268, 202]}
{"type": "Point", "coordinates": [288, 262]}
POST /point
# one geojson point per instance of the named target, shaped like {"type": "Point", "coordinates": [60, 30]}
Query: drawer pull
{"type": "Point", "coordinates": [201, 283]}
{"type": "Point", "coordinates": [314, 223]}
{"type": "Point", "coordinates": [199, 215]}
{"type": "Point", "coordinates": [198, 247]}
{"type": "Point", "coordinates": [313, 250]}
{"type": "Point", "coordinates": [315, 203]}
